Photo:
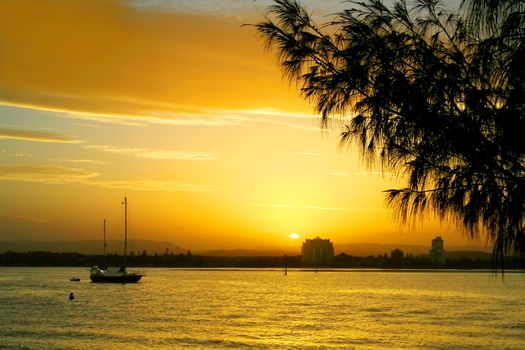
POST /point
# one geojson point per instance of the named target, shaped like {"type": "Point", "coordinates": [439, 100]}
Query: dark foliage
{"type": "Point", "coordinates": [394, 261]}
{"type": "Point", "coordinates": [426, 93]}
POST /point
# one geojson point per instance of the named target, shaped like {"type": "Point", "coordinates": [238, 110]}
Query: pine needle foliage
{"type": "Point", "coordinates": [425, 91]}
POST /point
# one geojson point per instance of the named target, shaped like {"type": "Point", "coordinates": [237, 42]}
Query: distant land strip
{"type": "Point", "coordinates": [93, 247]}
{"type": "Point", "coordinates": [189, 260]}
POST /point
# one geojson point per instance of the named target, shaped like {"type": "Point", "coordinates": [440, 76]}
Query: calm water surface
{"type": "Point", "coordinates": [262, 309]}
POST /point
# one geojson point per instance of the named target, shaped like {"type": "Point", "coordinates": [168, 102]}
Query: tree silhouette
{"type": "Point", "coordinates": [425, 92]}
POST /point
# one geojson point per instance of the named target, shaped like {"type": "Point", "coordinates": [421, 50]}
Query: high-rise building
{"type": "Point", "coordinates": [437, 251]}
{"type": "Point", "coordinates": [317, 252]}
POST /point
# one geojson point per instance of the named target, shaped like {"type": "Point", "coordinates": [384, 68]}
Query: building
{"type": "Point", "coordinates": [317, 252]}
{"type": "Point", "coordinates": [437, 251]}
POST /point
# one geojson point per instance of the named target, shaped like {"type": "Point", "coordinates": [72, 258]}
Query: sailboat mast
{"type": "Point", "coordinates": [105, 242]}
{"type": "Point", "coordinates": [125, 228]}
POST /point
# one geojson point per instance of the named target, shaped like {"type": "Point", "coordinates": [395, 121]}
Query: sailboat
{"type": "Point", "coordinates": [104, 274]}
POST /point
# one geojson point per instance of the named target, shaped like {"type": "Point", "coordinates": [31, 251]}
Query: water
{"type": "Point", "coordinates": [262, 309]}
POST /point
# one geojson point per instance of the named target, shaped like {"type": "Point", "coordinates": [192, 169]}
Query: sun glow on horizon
{"type": "Point", "coordinates": [293, 236]}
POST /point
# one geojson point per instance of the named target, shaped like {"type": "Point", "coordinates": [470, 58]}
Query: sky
{"type": "Point", "coordinates": [178, 107]}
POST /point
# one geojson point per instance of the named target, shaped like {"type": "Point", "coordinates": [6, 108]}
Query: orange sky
{"type": "Point", "coordinates": [177, 106]}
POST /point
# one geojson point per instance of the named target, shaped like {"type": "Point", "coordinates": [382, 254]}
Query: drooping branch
{"type": "Point", "coordinates": [423, 93]}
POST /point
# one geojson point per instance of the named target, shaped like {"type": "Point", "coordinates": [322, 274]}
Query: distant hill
{"type": "Point", "coordinates": [90, 247]}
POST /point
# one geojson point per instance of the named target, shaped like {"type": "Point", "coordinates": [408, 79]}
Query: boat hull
{"type": "Point", "coordinates": [114, 275]}
{"type": "Point", "coordinates": [134, 278]}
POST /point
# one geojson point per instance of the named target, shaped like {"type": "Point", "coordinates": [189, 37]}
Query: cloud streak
{"type": "Point", "coordinates": [157, 154]}
{"type": "Point", "coordinates": [62, 176]}
{"type": "Point", "coordinates": [88, 161]}
{"type": "Point", "coordinates": [36, 136]}
{"type": "Point", "coordinates": [154, 185]}
{"type": "Point", "coordinates": [44, 174]}
{"type": "Point", "coordinates": [176, 115]}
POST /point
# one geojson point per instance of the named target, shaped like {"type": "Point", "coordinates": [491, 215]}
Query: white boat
{"type": "Point", "coordinates": [103, 274]}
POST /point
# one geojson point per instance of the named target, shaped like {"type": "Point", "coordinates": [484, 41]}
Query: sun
{"type": "Point", "coordinates": [293, 236]}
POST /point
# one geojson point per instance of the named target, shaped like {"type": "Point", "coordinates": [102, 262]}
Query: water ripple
{"type": "Point", "coordinates": [247, 309]}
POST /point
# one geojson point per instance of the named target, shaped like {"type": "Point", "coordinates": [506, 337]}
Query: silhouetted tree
{"type": "Point", "coordinates": [397, 258]}
{"type": "Point", "coordinates": [426, 93]}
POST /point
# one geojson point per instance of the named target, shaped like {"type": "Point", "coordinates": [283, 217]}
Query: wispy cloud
{"type": "Point", "coordinates": [20, 154]}
{"type": "Point", "coordinates": [44, 174]}
{"type": "Point", "coordinates": [155, 153]}
{"type": "Point", "coordinates": [146, 114]}
{"type": "Point", "coordinates": [36, 136]}
{"type": "Point", "coordinates": [300, 121]}
{"type": "Point", "coordinates": [89, 161]}
{"type": "Point", "coordinates": [274, 112]}
{"type": "Point", "coordinates": [151, 113]}
{"type": "Point", "coordinates": [63, 175]}
{"type": "Point", "coordinates": [154, 185]}
{"type": "Point", "coordinates": [290, 124]}
{"type": "Point", "coordinates": [221, 8]}
{"type": "Point", "coordinates": [196, 116]}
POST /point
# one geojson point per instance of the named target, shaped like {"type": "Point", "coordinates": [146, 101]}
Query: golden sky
{"type": "Point", "coordinates": [176, 105]}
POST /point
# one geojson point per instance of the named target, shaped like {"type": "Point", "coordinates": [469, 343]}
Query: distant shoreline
{"type": "Point", "coordinates": [344, 269]}
{"type": "Point", "coordinates": [188, 260]}
{"type": "Point", "coordinates": [299, 270]}
{"type": "Point", "coordinates": [94, 247]}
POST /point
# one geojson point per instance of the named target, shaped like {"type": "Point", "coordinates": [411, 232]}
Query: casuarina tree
{"type": "Point", "coordinates": [427, 91]}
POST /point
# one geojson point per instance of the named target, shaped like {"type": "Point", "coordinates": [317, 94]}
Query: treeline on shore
{"type": "Point", "coordinates": [170, 259]}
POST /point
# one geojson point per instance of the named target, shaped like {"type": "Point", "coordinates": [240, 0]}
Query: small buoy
{"type": "Point", "coordinates": [71, 296]}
